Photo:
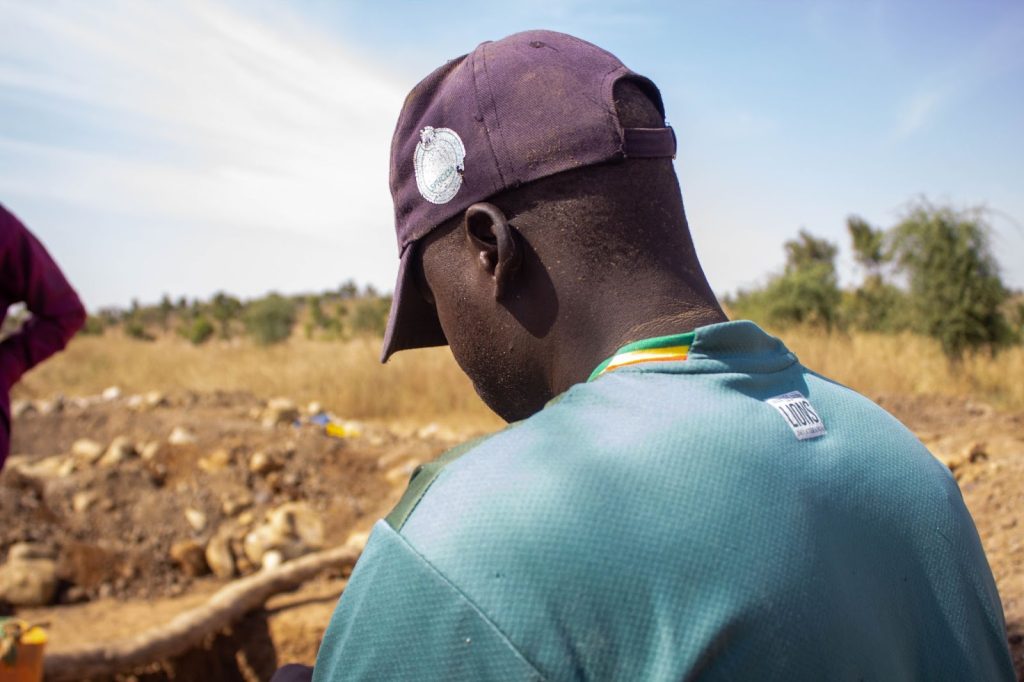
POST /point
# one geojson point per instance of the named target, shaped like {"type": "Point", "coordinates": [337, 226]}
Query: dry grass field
{"type": "Point", "coordinates": [115, 527]}
{"type": "Point", "coordinates": [346, 377]}
{"type": "Point", "coordinates": [910, 365]}
{"type": "Point", "coordinates": [427, 385]}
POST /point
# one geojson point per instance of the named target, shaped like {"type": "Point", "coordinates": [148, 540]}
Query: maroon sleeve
{"type": "Point", "coordinates": [28, 274]}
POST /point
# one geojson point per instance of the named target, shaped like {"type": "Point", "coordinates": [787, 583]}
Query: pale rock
{"type": "Point", "coordinates": [56, 466]}
{"type": "Point", "coordinates": [111, 393]}
{"type": "Point", "coordinates": [150, 450]}
{"type": "Point", "coordinates": [82, 500]}
{"type": "Point", "coordinates": [196, 519]}
{"type": "Point", "coordinates": [120, 449]}
{"type": "Point", "coordinates": [232, 505]}
{"type": "Point", "coordinates": [135, 402]}
{"type": "Point", "coordinates": [190, 556]}
{"type": "Point", "coordinates": [25, 551]}
{"type": "Point", "coordinates": [218, 460]}
{"type": "Point", "coordinates": [358, 539]}
{"type": "Point", "coordinates": [154, 399]}
{"type": "Point", "coordinates": [272, 560]}
{"type": "Point", "coordinates": [87, 449]}
{"type": "Point", "coordinates": [431, 430]}
{"type": "Point", "coordinates": [314, 408]}
{"type": "Point", "coordinates": [219, 555]}
{"type": "Point", "coordinates": [82, 402]}
{"type": "Point", "coordinates": [29, 578]}
{"type": "Point", "coordinates": [20, 408]}
{"type": "Point", "coordinates": [54, 406]}
{"type": "Point", "coordinates": [261, 463]}
{"type": "Point", "coordinates": [293, 529]}
{"type": "Point", "coordinates": [181, 436]}
{"type": "Point", "coordinates": [18, 462]}
{"type": "Point", "coordinates": [402, 473]}
{"type": "Point", "coordinates": [259, 541]}
{"type": "Point", "coordinates": [279, 411]}
{"type": "Point", "coordinates": [959, 463]}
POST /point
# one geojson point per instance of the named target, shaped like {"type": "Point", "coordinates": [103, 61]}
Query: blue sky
{"type": "Point", "coordinates": [209, 145]}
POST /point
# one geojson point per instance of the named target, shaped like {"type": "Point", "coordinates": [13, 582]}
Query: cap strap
{"type": "Point", "coordinates": [648, 143]}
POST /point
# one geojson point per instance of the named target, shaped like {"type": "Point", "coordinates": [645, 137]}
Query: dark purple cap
{"type": "Point", "coordinates": [522, 108]}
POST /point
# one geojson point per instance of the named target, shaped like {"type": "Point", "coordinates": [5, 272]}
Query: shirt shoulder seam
{"type": "Point", "coordinates": [423, 478]}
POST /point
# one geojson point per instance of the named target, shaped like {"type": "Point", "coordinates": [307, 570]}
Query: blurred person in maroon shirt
{"type": "Point", "coordinates": [28, 275]}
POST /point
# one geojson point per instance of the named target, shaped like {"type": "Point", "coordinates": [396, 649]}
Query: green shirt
{"type": "Point", "coordinates": [714, 512]}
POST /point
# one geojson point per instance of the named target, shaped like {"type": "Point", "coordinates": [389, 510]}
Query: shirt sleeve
{"type": "Point", "coordinates": [28, 274]}
{"type": "Point", "coordinates": [400, 619]}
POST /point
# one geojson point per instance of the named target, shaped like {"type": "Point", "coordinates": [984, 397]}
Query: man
{"type": "Point", "coordinates": [28, 275]}
{"type": "Point", "coordinates": [677, 497]}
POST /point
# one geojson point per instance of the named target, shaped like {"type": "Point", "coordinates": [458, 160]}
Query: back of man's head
{"type": "Point", "coordinates": [563, 242]}
{"type": "Point", "coordinates": [610, 219]}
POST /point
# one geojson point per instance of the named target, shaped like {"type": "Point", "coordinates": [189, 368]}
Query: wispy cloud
{"type": "Point", "coordinates": [921, 105]}
{"type": "Point", "coordinates": [994, 55]}
{"type": "Point", "coordinates": [193, 110]}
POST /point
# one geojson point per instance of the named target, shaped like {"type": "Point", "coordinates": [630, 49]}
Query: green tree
{"type": "Point", "coordinates": [868, 245]}
{"type": "Point", "coordinates": [270, 320]}
{"type": "Point", "coordinates": [225, 308]}
{"type": "Point", "coordinates": [198, 330]}
{"type": "Point", "coordinates": [955, 289]}
{"type": "Point", "coordinates": [876, 305]}
{"type": "Point", "coordinates": [94, 326]}
{"type": "Point", "coordinates": [164, 311]}
{"type": "Point", "coordinates": [349, 289]}
{"type": "Point", "coordinates": [806, 292]}
{"type": "Point", "coordinates": [370, 315]}
{"type": "Point", "coordinates": [135, 329]}
{"type": "Point", "coordinates": [318, 320]}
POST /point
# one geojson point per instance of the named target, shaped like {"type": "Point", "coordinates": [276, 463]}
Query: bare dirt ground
{"type": "Point", "coordinates": [111, 524]}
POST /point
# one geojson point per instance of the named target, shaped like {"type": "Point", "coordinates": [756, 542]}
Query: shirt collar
{"type": "Point", "coordinates": [672, 348]}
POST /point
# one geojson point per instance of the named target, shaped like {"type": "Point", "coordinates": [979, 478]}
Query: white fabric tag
{"type": "Point", "coordinates": [798, 413]}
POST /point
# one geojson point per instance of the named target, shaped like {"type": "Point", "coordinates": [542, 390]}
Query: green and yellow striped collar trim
{"type": "Point", "coordinates": [659, 349]}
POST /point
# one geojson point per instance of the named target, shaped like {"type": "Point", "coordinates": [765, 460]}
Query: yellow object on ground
{"type": "Point", "coordinates": [21, 651]}
{"type": "Point", "coordinates": [341, 430]}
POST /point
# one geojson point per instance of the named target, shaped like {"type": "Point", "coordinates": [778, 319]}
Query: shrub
{"type": "Point", "coordinates": [270, 320]}
{"type": "Point", "coordinates": [135, 329]}
{"type": "Point", "coordinates": [371, 315]}
{"type": "Point", "coordinates": [806, 292]}
{"type": "Point", "coordinates": [94, 326]}
{"type": "Point", "coordinates": [956, 293]}
{"type": "Point", "coordinates": [198, 331]}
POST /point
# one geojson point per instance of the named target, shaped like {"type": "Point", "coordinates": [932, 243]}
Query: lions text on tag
{"type": "Point", "coordinates": [799, 414]}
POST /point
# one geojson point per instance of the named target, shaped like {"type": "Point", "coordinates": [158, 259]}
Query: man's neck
{"type": "Point", "coordinates": [588, 336]}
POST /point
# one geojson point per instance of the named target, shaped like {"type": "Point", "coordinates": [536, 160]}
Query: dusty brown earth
{"type": "Point", "coordinates": [112, 526]}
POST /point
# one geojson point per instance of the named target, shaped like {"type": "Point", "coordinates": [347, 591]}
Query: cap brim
{"type": "Point", "coordinates": [413, 321]}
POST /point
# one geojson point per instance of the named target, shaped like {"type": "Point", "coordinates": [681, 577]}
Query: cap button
{"type": "Point", "coordinates": [536, 43]}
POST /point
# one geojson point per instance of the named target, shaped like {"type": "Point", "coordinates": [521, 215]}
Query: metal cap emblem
{"type": "Point", "coordinates": [439, 163]}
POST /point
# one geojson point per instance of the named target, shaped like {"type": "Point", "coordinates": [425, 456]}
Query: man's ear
{"type": "Point", "coordinates": [498, 250]}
